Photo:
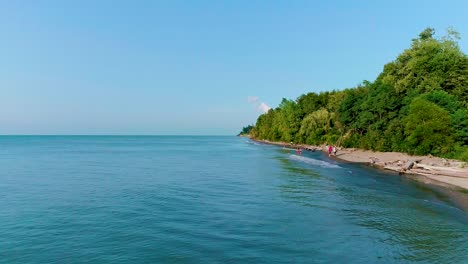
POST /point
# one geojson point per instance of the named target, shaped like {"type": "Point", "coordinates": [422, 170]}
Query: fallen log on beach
{"type": "Point", "coordinates": [441, 173]}
{"type": "Point", "coordinates": [409, 164]}
{"type": "Point", "coordinates": [437, 168]}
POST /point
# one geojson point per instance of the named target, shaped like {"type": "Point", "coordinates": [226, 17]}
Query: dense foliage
{"type": "Point", "coordinates": [246, 130]}
{"type": "Point", "coordinates": [418, 105]}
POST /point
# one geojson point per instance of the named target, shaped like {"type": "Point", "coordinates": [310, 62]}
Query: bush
{"type": "Point", "coordinates": [461, 153]}
{"type": "Point", "coordinates": [427, 128]}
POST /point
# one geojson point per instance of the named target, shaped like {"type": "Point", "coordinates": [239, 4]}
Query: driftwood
{"type": "Point", "coordinates": [373, 160]}
{"type": "Point", "coordinates": [425, 167]}
{"type": "Point", "coordinates": [409, 164]}
{"type": "Point", "coordinates": [392, 168]}
{"type": "Point", "coordinates": [441, 173]}
{"type": "Point", "coordinates": [438, 169]}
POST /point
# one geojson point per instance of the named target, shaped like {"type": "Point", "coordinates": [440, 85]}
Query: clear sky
{"type": "Point", "coordinates": [188, 67]}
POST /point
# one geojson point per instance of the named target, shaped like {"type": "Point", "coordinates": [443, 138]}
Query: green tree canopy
{"type": "Point", "coordinates": [418, 104]}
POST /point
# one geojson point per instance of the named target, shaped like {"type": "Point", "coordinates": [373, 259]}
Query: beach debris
{"type": "Point", "coordinates": [410, 163]}
{"type": "Point", "coordinates": [425, 167]}
{"type": "Point", "coordinates": [445, 162]}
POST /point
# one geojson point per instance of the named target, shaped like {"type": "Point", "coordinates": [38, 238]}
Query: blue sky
{"type": "Point", "coordinates": [188, 67]}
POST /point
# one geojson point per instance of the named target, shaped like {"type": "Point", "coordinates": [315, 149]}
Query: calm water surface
{"type": "Point", "coordinates": [212, 200]}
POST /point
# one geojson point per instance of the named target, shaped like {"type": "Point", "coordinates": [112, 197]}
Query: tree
{"type": "Point", "coordinates": [246, 130]}
{"type": "Point", "coordinates": [288, 120]}
{"type": "Point", "coordinates": [427, 128]}
{"type": "Point", "coordinates": [315, 125]}
{"type": "Point", "coordinates": [418, 104]}
{"type": "Point", "coordinates": [426, 34]}
{"type": "Point", "coordinates": [460, 126]}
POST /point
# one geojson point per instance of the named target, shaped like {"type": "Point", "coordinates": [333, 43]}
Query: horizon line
{"type": "Point", "coordinates": [122, 135]}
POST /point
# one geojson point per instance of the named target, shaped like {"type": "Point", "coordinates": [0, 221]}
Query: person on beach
{"type": "Point", "coordinates": [334, 150]}
{"type": "Point", "coordinates": [330, 149]}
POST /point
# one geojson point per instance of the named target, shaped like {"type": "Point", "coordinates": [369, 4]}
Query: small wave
{"type": "Point", "coordinates": [315, 162]}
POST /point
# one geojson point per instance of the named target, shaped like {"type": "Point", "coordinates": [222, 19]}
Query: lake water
{"type": "Point", "coordinates": [138, 199]}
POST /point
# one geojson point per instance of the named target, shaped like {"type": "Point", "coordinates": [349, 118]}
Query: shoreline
{"type": "Point", "coordinates": [451, 174]}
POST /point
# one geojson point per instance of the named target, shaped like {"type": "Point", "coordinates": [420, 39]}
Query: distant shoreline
{"type": "Point", "coordinates": [427, 169]}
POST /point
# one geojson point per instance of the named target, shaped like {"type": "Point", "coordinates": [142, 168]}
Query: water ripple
{"type": "Point", "coordinates": [212, 200]}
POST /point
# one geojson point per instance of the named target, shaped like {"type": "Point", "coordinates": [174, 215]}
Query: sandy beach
{"type": "Point", "coordinates": [445, 171]}
{"type": "Point", "coordinates": [433, 170]}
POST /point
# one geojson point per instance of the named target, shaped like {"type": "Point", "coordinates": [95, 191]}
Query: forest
{"type": "Point", "coordinates": [418, 104]}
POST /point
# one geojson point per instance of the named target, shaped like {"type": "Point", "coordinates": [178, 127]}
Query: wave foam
{"type": "Point", "coordinates": [315, 162]}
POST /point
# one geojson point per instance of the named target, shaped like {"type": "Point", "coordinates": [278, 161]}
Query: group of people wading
{"type": "Point", "coordinates": [331, 149]}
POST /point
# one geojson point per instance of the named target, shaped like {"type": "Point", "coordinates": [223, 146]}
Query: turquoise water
{"type": "Point", "coordinates": [212, 200]}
